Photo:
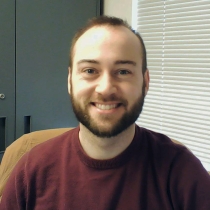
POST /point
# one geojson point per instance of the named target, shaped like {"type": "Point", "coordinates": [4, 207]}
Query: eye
{"type": "Point", "coordinates": [123, 72]}
{"type": "Point", "coordinates": [90, 71]}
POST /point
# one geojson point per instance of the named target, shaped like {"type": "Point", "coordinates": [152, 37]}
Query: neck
{"type": "Point", "coordinates": [105, 148]}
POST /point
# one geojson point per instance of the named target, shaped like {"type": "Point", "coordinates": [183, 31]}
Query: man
{"type": "Point", "coordinates": [108, 162]}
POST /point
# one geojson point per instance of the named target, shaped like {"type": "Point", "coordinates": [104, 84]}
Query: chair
{"type": "Point", "coordinates": [18, 148]}
{"type": "Point", "coordinates": [1, 155]}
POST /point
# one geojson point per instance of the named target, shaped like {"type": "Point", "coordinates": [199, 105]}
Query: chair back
{"type": "Point", "coordinates": [1, 155]}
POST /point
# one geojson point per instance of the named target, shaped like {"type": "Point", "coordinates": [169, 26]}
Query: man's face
{"type": "Point", "coordinates": [106, 84]}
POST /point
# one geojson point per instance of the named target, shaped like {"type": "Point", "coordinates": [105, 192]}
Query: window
{"type": "Point", "coordinates": [177, 39]}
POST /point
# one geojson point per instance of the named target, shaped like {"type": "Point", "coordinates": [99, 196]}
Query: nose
{"type": "Point", "coordinates": [106, 85]}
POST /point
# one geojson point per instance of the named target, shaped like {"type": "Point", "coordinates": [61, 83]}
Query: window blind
{"type": "Point", "coordinates": [177, 39]}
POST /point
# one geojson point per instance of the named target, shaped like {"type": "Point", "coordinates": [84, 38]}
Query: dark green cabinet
{"type": "Point", "coordinates": [7, 72]}
{"type": "Point", "coordinates": [34, 47]}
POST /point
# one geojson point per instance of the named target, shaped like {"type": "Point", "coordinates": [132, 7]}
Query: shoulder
{"type": "Point", "coordinates": [165, 154]}
{"type": "Point", "coordinates": [47, 153]}
{"type": "Point", "coordinates": [175, 165]}
{"type": "Point", "coordinates": [45, 157]}
{"type": "Point", "coordinates": [54, 146]}
{"type": "Point", "coordinates": [59, 139]}
{"type": "Point", "coordinates": [27, 142]}
{"type": "Point", "coordinates": [159, 143]}
{"type": "Point", "coordinates": [172, 156]}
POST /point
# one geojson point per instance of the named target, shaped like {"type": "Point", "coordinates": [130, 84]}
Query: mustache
{"type": "Point", "coordinates": [101, 98]}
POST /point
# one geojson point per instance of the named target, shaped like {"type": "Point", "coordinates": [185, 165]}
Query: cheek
{"type": "Point", "coordinates": [133, 90]}
{"type": "Point", "coordinates": [80, 90]}
{"type": "Point", "coordinates": [131, 95]}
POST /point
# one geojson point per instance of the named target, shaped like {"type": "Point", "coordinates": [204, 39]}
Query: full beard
{"type": "Point", "coordinates": [122, 124]}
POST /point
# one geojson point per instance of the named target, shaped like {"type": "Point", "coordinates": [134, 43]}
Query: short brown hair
{"type": "Point", "coordinates": [112, 21]}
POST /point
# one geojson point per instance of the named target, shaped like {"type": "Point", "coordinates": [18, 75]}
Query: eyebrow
{"type": "Point", "coordinates": [125, 62]}
{"type": "Point", "coordinates": [116, 62]}
{"type": "Point", "coordinates": [87, 61]}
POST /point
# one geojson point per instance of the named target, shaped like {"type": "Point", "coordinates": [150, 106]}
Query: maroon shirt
{"type": "Point", "coordinates": [153, 173]}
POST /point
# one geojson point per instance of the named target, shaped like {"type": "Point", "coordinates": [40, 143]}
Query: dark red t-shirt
{"type": "Point", "coordinates": [153, 173]}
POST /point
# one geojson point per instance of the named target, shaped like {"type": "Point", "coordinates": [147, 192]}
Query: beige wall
{"type": "Point", "coordinates": [119, 8]}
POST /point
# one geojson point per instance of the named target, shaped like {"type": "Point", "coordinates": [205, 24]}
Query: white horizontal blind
{"type": "Point", "coordinates": [177, 39]}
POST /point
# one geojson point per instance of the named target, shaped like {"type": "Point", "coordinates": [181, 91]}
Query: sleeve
{"type": "Point", "coordinates": [14, 194]}
{"type": "Point", "coordinates": [189, 183]}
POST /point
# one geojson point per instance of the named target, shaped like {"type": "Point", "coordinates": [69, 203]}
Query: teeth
{"type": "Point", "coordinates": [106, 107]}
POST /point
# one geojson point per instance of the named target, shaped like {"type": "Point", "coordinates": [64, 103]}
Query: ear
{"type": "Point", "coordinates": [69, 80]}
{"type": "Point", "coordinates": [146, 80]}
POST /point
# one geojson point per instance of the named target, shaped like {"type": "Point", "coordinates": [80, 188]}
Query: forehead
{"type": "Point", "coordinates": [110, 38]}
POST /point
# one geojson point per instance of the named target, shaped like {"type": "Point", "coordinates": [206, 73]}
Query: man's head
{"type": "Point", "coordinates": [109, 21]}
{"type": "Point", "coordinates": [107, 82]}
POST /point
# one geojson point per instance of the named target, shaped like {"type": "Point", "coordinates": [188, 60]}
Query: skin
{"type": "Point", "coordinates": [106, 80]}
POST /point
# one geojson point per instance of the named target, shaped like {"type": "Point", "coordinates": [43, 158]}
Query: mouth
{"type": "Point", "coordinates": [106, 106]}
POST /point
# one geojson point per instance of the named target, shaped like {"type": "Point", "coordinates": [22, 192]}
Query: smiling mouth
{"type": "Point", "coordinates": [106, 106]}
